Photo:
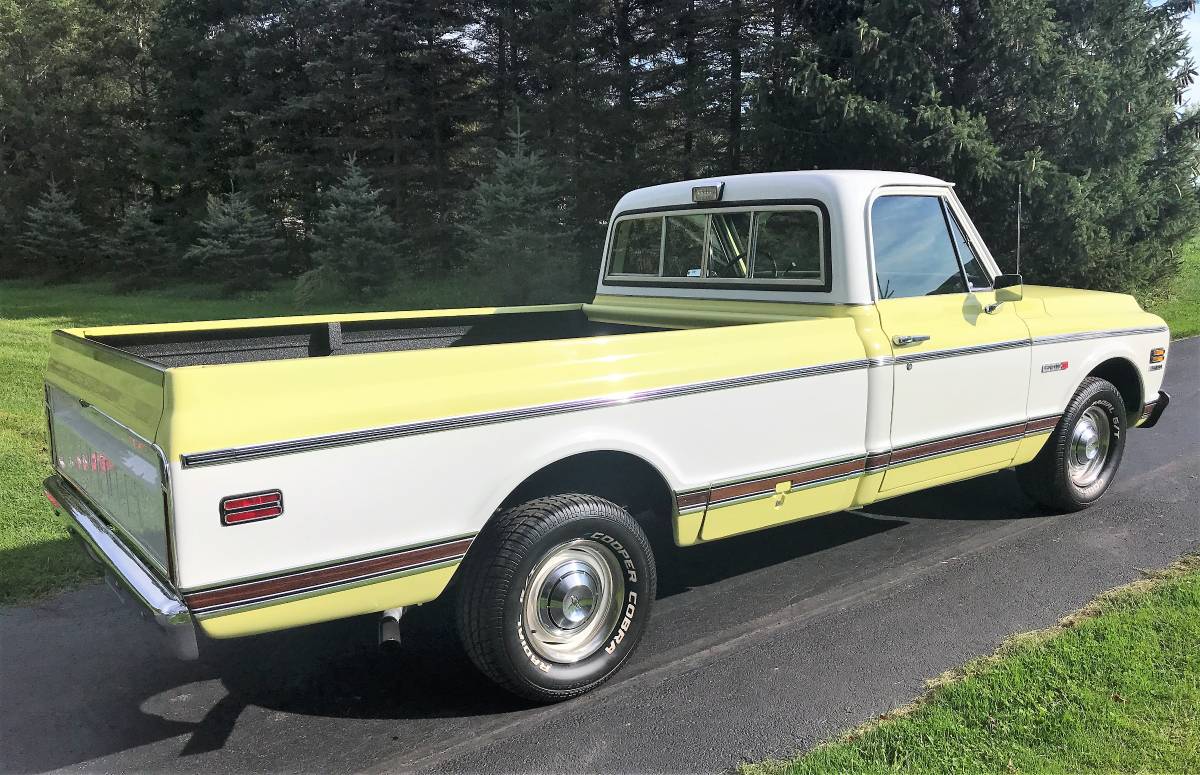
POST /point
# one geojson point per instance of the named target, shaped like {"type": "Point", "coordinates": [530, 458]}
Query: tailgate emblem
{"type": "Point", "coordinates": [253, 507]}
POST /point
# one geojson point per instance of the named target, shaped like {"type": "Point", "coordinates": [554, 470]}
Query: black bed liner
{"type": "Point", "coordinates": [307, 340]}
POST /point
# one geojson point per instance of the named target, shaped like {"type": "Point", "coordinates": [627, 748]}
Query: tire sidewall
{"type": "Point", "coordinates": [1104, 396]}
{"type": "Point", "coordinates": [630, 551]}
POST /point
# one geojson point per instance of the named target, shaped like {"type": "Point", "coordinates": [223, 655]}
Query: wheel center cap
{"type": "Point", "coordinates": [571, 598]}
{"type": "Point", "coordinates": [1087, 444]}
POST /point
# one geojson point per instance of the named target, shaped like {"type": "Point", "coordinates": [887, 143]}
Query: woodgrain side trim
{"type": "Point", "coordinates": [801, 477]}
{"type": "Point", "coordinates": [929, 448]}
{"type": "Point", "coordinates": [328, 576]}
{"type": "Point", "coordinates": [1042, 424]}
{"type": "Point", "coordinates": [758, 486]}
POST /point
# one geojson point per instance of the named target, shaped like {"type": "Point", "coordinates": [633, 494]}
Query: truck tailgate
{"type": "Point", "coordinates": [104, 408]}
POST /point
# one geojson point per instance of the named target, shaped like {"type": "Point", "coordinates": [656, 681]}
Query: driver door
{"type": "Point", "coordinates": [961, 360]}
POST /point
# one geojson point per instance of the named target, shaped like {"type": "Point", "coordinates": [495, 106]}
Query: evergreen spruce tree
{"type": "Point", "coordinates": [354, 239]}
{"type": "Point", "coordinates": [1077, 103]}
{"type": "Point", "coordinates": [55, 238]}
{"type": "Point", "coordinates": [238, 245]}
{"type": "Point", "coordinates": [142, 253]}
{"type": "Point", "coordinates": [518, 229]}
{"type": "Point", "coordinates": [10, 260]}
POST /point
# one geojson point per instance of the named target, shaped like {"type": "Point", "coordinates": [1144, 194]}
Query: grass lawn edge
{"type": "Point", "coordinates": [1013, 646]}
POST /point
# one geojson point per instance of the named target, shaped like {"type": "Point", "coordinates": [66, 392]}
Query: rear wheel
{"type": "Point", "coordinates": [1081, 457]}
{"type": "Point", "coordinates": [555, 595]}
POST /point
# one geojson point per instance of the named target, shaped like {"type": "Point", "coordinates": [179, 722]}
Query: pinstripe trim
{"type": "Point", "coordinates": [272, 449]}
{"type": "Point", "coordinates": [1085, 335]}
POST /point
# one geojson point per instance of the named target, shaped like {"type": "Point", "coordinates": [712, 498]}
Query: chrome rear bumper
{"type": "Point", "coordinates": [154, 597]}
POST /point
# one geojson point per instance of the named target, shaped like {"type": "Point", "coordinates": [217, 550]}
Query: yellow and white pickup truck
{"type": "Point", "coordinates": [760, 349]}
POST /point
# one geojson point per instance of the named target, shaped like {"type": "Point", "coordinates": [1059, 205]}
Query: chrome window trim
{"type": "Point", "coordinates": [252, 452]}
{"type": "Point", "coordinates": [823, 284]}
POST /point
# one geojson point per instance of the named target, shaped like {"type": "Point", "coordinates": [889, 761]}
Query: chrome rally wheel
{"type": "Point", "coordinates": [1090, 439]}
{"type": "Point", "coordinates": [572, 600]}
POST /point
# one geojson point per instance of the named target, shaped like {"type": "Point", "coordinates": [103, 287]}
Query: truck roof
{"type": "Point", "coordinates": [816, 184]}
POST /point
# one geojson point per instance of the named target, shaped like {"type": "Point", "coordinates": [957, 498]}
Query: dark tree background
{"type": "Point", "coordinates": [139, 127]}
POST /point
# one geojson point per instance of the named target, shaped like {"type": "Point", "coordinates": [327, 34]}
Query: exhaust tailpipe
{"type": "Point", "coordinates": [389, 628]}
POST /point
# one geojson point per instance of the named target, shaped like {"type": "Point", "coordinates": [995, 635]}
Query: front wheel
{"type": "Point", "coordinates": [1080, 459]}
{"type": "Point", "coordinates": [555, 595]}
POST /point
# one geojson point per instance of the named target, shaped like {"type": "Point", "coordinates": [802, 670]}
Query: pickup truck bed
{"type": "Point", "coordinates": [245, 344]}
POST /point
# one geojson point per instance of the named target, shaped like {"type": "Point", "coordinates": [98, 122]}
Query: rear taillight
{"type": "Point", "coordinates": [254, 507]}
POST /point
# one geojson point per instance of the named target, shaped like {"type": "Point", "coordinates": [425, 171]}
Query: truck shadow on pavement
{"type": "Point", "coordinates": [333, 672]}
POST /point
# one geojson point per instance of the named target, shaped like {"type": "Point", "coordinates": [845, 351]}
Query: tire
{"type": "Point", "coordinates": [555, 595]}
{"type": "Point", "coordinates": [1062, 477]}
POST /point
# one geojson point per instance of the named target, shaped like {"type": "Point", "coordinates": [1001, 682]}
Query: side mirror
{"type": "Point", "coordinates": [1008, 287]}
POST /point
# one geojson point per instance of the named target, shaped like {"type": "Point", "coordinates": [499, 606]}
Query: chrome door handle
{"type": "Point", "coordinates": [901, 340]}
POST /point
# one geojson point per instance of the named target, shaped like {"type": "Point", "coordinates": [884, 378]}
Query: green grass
{"type": "Point", "coordinates": [1114, 688]}
{"type": "Point", "coordinates": [1179, 304]}
{"type": "Point", "coordinates": [35, 555]}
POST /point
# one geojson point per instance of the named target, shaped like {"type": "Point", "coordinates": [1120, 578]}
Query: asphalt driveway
{"type": "Point", "coordinates": [760, 645]}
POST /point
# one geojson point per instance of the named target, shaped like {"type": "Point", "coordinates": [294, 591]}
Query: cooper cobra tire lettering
{"type": "Point", "coordinates": [622, 552]}
{"type": "Point", "coordinates": [626, 621]}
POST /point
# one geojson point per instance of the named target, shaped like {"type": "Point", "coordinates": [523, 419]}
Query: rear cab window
{"type": "Point", "coordinates": [778, 246]}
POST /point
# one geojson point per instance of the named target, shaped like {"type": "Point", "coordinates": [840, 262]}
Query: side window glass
{"type": "Point", "coordinates": [684, 245]}
{"type": "Point", "coordinates": [976, 275]}
{"type": "Point", "coordinates": [636, 244]}
{"type": "Point", "coordinates": [787, 245]}
{"type": "Point", "coordinates": [729, 245]}
{"type": "Point", "coordinates": [913, 252]}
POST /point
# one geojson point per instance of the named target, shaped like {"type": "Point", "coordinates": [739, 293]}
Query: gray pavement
{"type": "Point", "coordinates": [760, 645]}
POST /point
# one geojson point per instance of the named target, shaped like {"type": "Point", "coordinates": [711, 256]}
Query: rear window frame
{"type": "Point", "coordinates": [824, 285]}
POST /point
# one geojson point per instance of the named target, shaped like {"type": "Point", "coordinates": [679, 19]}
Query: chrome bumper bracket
{"type": "Point", "coordinates": [1160, 406]}
{"type": "Point", "coordinates": [125, 570]}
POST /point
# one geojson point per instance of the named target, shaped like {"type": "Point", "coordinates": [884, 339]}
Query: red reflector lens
{"type": "Point", "coordinates": [251, 508]}
{"type": "Point", "coordinates": [250, 501]}
{"type": "Point", "coordinates": [53, 501]}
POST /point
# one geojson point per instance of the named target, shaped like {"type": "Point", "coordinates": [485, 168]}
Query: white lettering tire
{"type": "Point", "coordinates": [555, 594]}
